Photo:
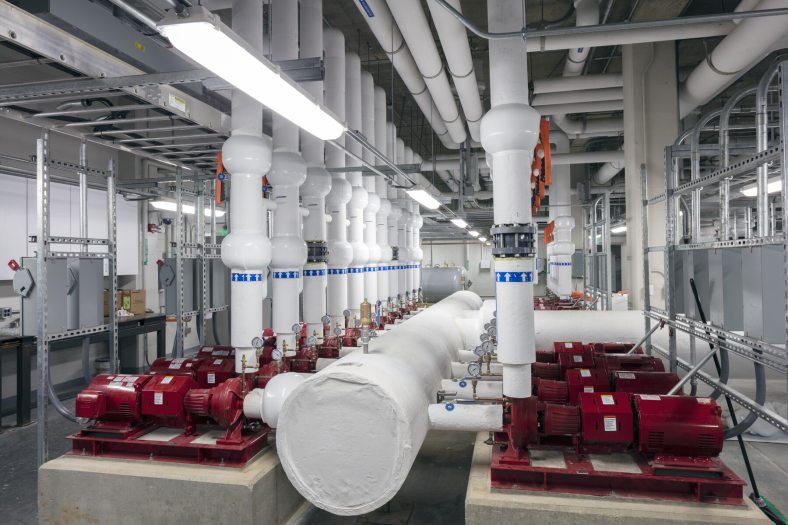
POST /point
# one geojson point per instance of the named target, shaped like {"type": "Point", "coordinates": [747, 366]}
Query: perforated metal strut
{"type": "Point", "coordinates": [514, 240]}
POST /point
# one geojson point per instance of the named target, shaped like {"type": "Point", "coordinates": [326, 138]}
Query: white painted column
{"type": "Point", "coordinates": [510, 131]}
{"type": "Point", "coordinates": [288, 173]}
{"type": "Point", "coordinates": [246, 251]}
{"type": "Point", "coordinates": [340, 253]}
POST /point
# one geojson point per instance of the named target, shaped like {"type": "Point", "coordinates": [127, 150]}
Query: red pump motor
{"type": "Point", "coordinates": [216, 352]}
{"type": "Point", "coordinates": [113, 399]}
{"type": "Point", "coordinates": [639, 382]}
{"type": "Point", "coordinates": [179, 366]}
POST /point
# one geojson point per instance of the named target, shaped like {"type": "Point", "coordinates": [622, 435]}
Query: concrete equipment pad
{"type": "Point", "coordinates": [91, 490]}
{"type": "Point", "coordinates": [484, 506]}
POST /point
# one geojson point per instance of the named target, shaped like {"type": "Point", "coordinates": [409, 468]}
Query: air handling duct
{"type": "Point", "coordinates": [371, 410]}
{"type": "Point", "coordinates": [737, 52]}
{"type": "Point", "coordinates": [246, 251]}
{"type": "Point", "coordinates": [385, 29]}
{"type": "Point", "coordinates": [415, 29]}
{"type": "Point", "coordinates": [454, 42]}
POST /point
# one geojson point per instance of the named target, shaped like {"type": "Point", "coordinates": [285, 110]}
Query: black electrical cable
{"type": "Point", "coordinates": [755, 496]}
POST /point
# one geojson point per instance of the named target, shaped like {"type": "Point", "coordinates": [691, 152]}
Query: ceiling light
{"type": "Point", "coordinates": [618, 229]}
{"type": "Point", "coordinates": [210, 43]}
{"type": "Point", "coordinates": [487, 243]}
{"type": "Point", "coordinates": [482, 239]}
{"type": "Point", "coordinates": [774, 186]}
{"type": "Point", "coordinates": [459, 223]}
{"type": "Point", "coordinates": [186, 208]}
{"type": "Point", "coordinates": [473, 233]}
{"type": "Point", "coordinates": [424, 198]}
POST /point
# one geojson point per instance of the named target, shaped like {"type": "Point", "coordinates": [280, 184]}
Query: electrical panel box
{"type": "Point", "coordinates": [578, 261]}
{"type": "Point", "coordinates": [85, 305]}
{"type": "Point", "coordinates": [764, 293]}
{"type": "Point", "coordinates": [167, 281]}
{"type": "Point", "coordinates": [55, 302]}
{"type": "Point", "coordinates": [220, 276]}
{"type": "Point", "coordinates": [700, 271]}
{"type": "Point", "coordinates": [726, 309]}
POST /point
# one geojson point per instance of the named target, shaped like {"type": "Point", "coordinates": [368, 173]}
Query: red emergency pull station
{"type": "Point", "coordinates": [13, 265]}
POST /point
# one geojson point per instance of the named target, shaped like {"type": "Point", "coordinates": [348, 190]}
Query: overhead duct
{"type": "Point", "coordinates": [735, 54]}
{"type": "Point", "coordinates": [288, 173]}
{"type": "Point", "coordinates": [385, 29]}
{"type": "Point", "coordinates": [561, 110]}
{"type": "Point", "coordinates": [416, 31]}
{"type": "Point", "coordinates": [576, 97]}
{"type": "Point", "coordinates": [557, 159]}
{"type": "Point", "coordinates": [372, 410]}
{"type": "Point", "coordinates": [246, 250]}
{"type": "Point", "coordinates": [454, 42]}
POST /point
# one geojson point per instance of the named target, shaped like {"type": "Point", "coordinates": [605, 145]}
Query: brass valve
{"type": "Point", "coordinates": [366, 313]}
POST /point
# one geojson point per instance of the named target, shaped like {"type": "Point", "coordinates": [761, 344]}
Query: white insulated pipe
{"type": "Point", "coordinates": [348, 436]}
{"type": "Point", "coordinates": [576, 97]}
{"type": "Point", "coordinates": [581, 107]}
{"type": "Point", "coordinates": [288, 173]}
{"type": "Point", "coordinates": [466, 417]}
{"type": "Point", "coordinates": [246, 250]}
{"type": "Point", "coordinates": [318, 180]}
{"type": "Point", "coordinates": [340, 253]}
{"type": "Point", "coordinates": [579, 83]}
{"type": "Point", "coordinates": [454, 42]}
{"type": "Point", "coordinates": [560, 251]}
{"type": "Point", "coordinates": [557, 159]}
{"type": "Point", "coordinates": [608, 170]}
{"type": "Point", "coordinates": [510, 131]}
{"type": "Point", "coordinates": [385, 29]}
{"type": "Point", "coordinates": [747, 43]}
{"type": "Point", "coordinates": [393, 227]}
{"type": "Point", "coordinates": [415, 29]}
{"type": "Point", "coordinates": [381, 220]}
{"type": "Point", "coordinates": [417, 253]}
{"type": "Point", "coordinates": [359, 198]}
{"type": "Point", "coordinates": [463, 389]}
{"type": "Point", "coordinates": [373, 200]}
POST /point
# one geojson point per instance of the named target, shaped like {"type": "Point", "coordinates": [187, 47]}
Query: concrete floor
{"type": "Point", "coordinates": [434, 493]}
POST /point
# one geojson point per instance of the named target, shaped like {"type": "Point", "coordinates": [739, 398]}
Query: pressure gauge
{"type": "Point", "coordinates": [346, 313]}
{"type": "Point", "coordinates": [296, 328]}
{"type": "Point", "coordinates": [479, 351]}
{"type": "Point", "coordinates": [491, 331]}
{"type": "Point", "coordinates": [486, 326]}
{"type": "Point", "coordinates": [487, 347]}
{"type": "Point", "coordinates": [276, 354]}
{"type": "Point", "coordinates": [311, 340]}
{"type": "Point", "coordinates": [337, 331]}
{"type": "Point", "coordinates": [325, 319]}
{"type": "Point", "coordinates": [474, 369]}
{"type": "Point", "coordinates": [357, 323]}
{"type": "Point", "coordinates": [484, 337]}
{"type": "Point", "coordinates": [258, 342]}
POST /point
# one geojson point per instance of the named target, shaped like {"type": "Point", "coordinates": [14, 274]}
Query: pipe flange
{"type": "Point", "coordinates": [317, 252]}
{"type": "Point", "coordinates": [514, 240]}
{"type": "Point", "coordinates": [395, 253]}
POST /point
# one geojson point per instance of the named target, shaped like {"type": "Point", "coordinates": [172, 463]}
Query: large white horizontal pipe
{"type": "Point", "coordinates": [466, 417]}
{"type": "Point", "coordinates": [737, 52]}
{"type": "Point", "coordinates": [558, 159]}
{"type": "Point", "coordinates": [583, 128]}
{"type": "Point", "coordinates": [463, 389]}
{"type": "Point", "coordinates": [348, 436]}
{"type": "Point", "coordinates": [574, 97]}
{"type": "Point", "coordinates": [563, 84]}
{"type": "Point", "coordinates": [581, 107]}
{"type": "Point", "coordinates": [629, 36]}
{"type": "Point", "coordinates": [266, 404]}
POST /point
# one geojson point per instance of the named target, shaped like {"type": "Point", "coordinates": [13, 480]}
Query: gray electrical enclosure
{"type": "Point", "coordinates": [85, 292]}
{"type": "Point", "coordinates": [55, 302]}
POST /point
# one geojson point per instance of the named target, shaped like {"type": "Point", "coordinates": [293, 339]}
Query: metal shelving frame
{"type": "Point", "coordinates": [44, 252]}
{"type": "Point", "coordinates": [597, 265]}
{"type": "Point", "coordinates": [688, 147]}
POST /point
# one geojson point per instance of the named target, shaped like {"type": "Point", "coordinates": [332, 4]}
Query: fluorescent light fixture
{"type": "Point", "coordinates": [618, 229]}
{"type": "Point", "coordinates": [482, 239]}
{"type": "Point", "coordinates": [424, 198]}
{"type": "Point", "coordinates": [473, 233]}
{"type": "Point", "coordinates": [773, 186]}
{"type": "Point", "coordinates": [459, 223]}
{"type": "Point", "coordinates": [187, 208]}
{"type": "Point", "coordinates": [488, 243]}
{"type": "Point", "coordinates": [210, 43]}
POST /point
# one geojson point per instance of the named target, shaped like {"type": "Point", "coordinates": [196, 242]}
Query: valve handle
{"type": "Point", "coordinates": [13, 265]}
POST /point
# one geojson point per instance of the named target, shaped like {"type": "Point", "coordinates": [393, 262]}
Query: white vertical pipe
{"type": "Point", "coordinates": [409, 159]}
{"type": "Point", "coordinates": [510, 131]}
{"type": "Point", "coordinates": [381, 222]}
{"type": "Point", "coordinates": [288, 173]}
{"type": "Point", "coordinates": [247, 156]}
{"type": "Point", "coordinates": [560, 251]}
{"type": "Point", "coordinates": [404, 246]}
{"type": "Point", "coordinates": [318, 181]}
{"type": "Point", "coordinates": [359, 198]}
{"type": "Point", "coordinates": [340, 253]}
{"type": "Point", "coordinates": [373, 200]}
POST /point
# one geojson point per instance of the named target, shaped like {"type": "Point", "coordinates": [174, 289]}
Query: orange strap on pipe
{"type": "Point", "coordinates": [219, 171]}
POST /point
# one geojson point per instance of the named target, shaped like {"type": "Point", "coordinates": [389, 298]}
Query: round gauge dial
{"type": "Point", "coordinates": [258, 342]}
{"type": "Point", "coordinates": [474, 369]}
{"type": "Point", "coordinates": [487, 347]}
{"type": "Point", "coordinates": [276, 354]}
{"type": "Point", "coordinates": [337, 331]}
{"type": "Point", "coordinates": [479, 351]}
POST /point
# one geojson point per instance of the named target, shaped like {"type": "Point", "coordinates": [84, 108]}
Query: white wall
{"type": "Point", "coordinates": [468, 255]}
